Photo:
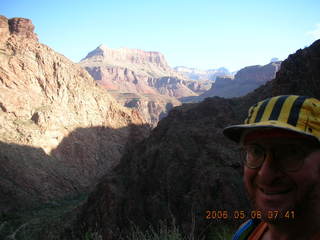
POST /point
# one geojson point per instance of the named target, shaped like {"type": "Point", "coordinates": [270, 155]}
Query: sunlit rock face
{"type": "Point", "coordinates": [146, 75]}
{"type": "Point", "coordinates": [59, 131]}
{"type": "Point", "coordinates": [133, 71]}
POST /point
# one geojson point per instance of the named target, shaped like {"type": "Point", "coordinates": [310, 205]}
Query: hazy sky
{"type": "Point", "coordinates": [201, 33]}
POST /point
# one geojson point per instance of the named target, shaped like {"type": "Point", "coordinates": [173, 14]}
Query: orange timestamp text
{"type": "Point", "coordinates": [254, 214]}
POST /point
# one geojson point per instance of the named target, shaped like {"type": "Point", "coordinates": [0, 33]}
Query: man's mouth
{"type": "Point", "coordinates": [274, 192]}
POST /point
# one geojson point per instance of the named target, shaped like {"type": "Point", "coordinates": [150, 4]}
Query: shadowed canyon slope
{"type": "Point", "coordinates": [186, 166]}
{"type": "Point", "coordinates": [59, 131]}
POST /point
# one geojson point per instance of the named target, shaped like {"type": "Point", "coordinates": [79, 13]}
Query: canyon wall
{"type": "Point", "coordinates": [59, 131]}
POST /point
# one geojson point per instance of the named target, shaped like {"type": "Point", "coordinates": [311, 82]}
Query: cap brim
{"type": "Point", "coordinates": [235, 132]}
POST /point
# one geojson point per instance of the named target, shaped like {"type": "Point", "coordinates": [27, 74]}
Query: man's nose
{"type": "Point", "coordinates": [270, 169]}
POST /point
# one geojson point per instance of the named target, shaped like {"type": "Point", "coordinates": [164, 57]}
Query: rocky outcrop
{"type": "Point", "coordinates": [18, 26]}
{"type": "Point", "coordinates": [186, 166]}
{"type": "Point", "coordinates": [22, 27]}
{"type": "Point", "coordinates": [59, 131]}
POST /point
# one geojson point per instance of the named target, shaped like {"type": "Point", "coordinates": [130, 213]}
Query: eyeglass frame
{"type": "Point", "coordinates": [271, 152]}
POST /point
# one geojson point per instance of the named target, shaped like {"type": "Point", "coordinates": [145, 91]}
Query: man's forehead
{"type": "Point", "coordinates": [275, 136]}
{"type": "Point", "coordinates": [278, 141]}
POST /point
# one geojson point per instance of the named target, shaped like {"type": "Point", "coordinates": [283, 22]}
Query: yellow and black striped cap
{"type": "Point", "coordinates": [300, 114]}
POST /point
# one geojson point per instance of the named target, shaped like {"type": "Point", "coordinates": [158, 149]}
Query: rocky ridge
{"type": "Point", "coordinates": [186, 166]}
{"type": "Point", "coordinates": [59, 131]}
{"type": "Point", "coordinates": [246, 80]}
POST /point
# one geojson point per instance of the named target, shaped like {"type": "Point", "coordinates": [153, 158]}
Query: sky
{"type": "Point", "coordinates": [203, 34]}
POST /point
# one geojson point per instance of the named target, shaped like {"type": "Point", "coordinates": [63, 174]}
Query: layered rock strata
{"type": "Point", "coordinates": [132, 71]}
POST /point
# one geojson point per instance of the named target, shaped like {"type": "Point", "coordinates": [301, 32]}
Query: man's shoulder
{"type": "Point", "coordinates": [246, 229]}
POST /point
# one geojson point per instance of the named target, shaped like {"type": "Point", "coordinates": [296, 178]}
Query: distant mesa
{"type": "Point", "coordinates": [123, 56]}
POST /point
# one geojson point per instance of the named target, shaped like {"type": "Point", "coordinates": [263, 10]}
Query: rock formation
{"type": "Point", "coordinates": [59, 131]}
{"type": "Point", "coordinates": [186, 166]}
{"type": "Point", "coordinates": [18, 26]}
{"type": "Point", "coordinates": [152, 64]}
{"type": "Point", "coordinates": [138, 72]}
{"type": "Point", "coordinates": [246, 80]}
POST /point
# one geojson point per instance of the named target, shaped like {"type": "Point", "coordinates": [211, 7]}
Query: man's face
{"type": "Point", "coordinates": [270, 188]}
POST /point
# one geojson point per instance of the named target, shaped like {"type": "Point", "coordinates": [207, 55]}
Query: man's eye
{"type": "Point", "coordinates": [256, 151]}
{"type": "Point", "coordinates": [292, 151]}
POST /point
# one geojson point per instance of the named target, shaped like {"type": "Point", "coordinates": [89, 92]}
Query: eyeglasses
{"type": "Point", "coordinates": [289, 157]}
